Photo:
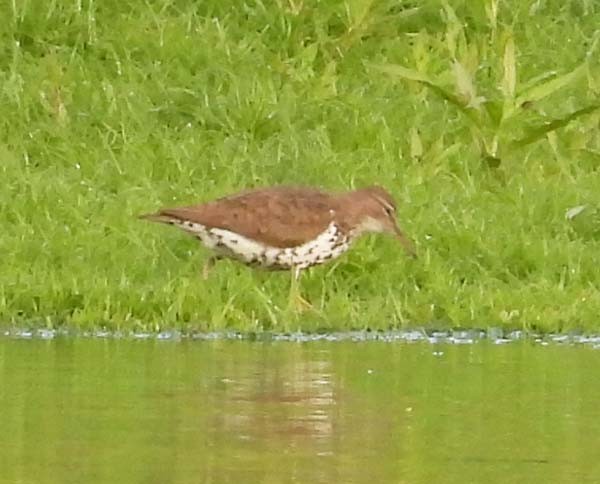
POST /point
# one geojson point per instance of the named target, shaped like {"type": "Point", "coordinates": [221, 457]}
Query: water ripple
{"type": "Point", "coordinates": [496, 336]}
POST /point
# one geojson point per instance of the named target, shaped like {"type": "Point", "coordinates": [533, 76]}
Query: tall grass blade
{"type": "Point", "coordinates": [537, 133]}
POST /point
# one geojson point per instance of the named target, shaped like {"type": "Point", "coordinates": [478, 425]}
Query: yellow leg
{"type": "Point", "coordinates": [208, 265]}
{"type": "Point", "coordinates": [297, 302]}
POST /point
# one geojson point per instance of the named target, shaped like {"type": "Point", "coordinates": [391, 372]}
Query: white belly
{"type": "Point", "coordinates": [328, 245]}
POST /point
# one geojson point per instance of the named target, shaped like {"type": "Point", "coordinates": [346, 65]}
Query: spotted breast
{"type": "Point", "coordinates": [328, 245]}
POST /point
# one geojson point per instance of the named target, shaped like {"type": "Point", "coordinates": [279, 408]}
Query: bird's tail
{"type": "Point", "coordinates": [158, 217]}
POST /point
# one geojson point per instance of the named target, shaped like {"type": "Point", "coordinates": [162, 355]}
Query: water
{"type": "Point", "coordinates": [76, 410]}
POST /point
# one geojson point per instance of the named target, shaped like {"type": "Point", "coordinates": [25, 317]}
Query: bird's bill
{"type": "Point", "coordinates": [407, 243]}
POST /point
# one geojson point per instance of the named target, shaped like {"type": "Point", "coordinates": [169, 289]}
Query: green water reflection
{"type": "Point", "coordinates": [91, 411]}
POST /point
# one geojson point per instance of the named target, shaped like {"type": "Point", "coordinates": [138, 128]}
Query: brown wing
{"type": "Point", "coordinates": [280, 216]}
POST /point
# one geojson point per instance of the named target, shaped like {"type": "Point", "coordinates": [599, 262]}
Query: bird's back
{"type": "Point", "coordinates": [277, 217]}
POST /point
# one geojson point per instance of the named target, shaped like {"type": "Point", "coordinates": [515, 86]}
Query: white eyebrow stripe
{"type": "Point", "coordinates": [386, 204]}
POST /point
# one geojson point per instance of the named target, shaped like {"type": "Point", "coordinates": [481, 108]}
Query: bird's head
{"type": "Point", "coordinates": [375, 211]}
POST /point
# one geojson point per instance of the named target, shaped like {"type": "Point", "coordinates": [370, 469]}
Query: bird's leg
{"type": "Point", "coordinates": [208, 265]}
{"type": "Point", "coordinates": [296, 301]}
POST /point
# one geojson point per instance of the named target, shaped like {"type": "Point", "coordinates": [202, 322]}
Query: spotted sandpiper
{"type": "Point", "coordinates": [286, 228]}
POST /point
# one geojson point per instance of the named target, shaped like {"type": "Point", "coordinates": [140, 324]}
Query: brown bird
{"type": "Point", "coordinates": [286, 228]}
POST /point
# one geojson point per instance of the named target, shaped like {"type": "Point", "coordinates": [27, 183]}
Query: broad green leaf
{"type": "Point", "coordinates": [534, 134]}
{"type": "Point", "coordinates": [464, 82]}
{"type": "Point", "coordinates": [509, 79]}
{"type": "Point", "coordinates": [543, 90]}
{"type": "Point", "coordinates": [574, 211]}
{"type": "Point", "coordinates": [402, 72]}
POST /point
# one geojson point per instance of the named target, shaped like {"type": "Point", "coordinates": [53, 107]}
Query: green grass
{"type": "Point", "coordinates": [480, 117]}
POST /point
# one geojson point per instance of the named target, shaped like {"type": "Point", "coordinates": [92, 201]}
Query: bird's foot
{"type": "Point", "coordinates": [208, 265]}
{"type": "Point", "coordinates": [298, 304]}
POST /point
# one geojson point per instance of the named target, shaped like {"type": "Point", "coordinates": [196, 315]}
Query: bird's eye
{"type": "Point", "coordinates": [389, 211]}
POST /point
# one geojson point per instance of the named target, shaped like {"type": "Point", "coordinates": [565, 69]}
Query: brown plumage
{"type": "Point", "coordinates": [280, 221]}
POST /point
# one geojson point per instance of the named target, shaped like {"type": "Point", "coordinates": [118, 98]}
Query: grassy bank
{"type": "Point", "coordinates": [480, 117]}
